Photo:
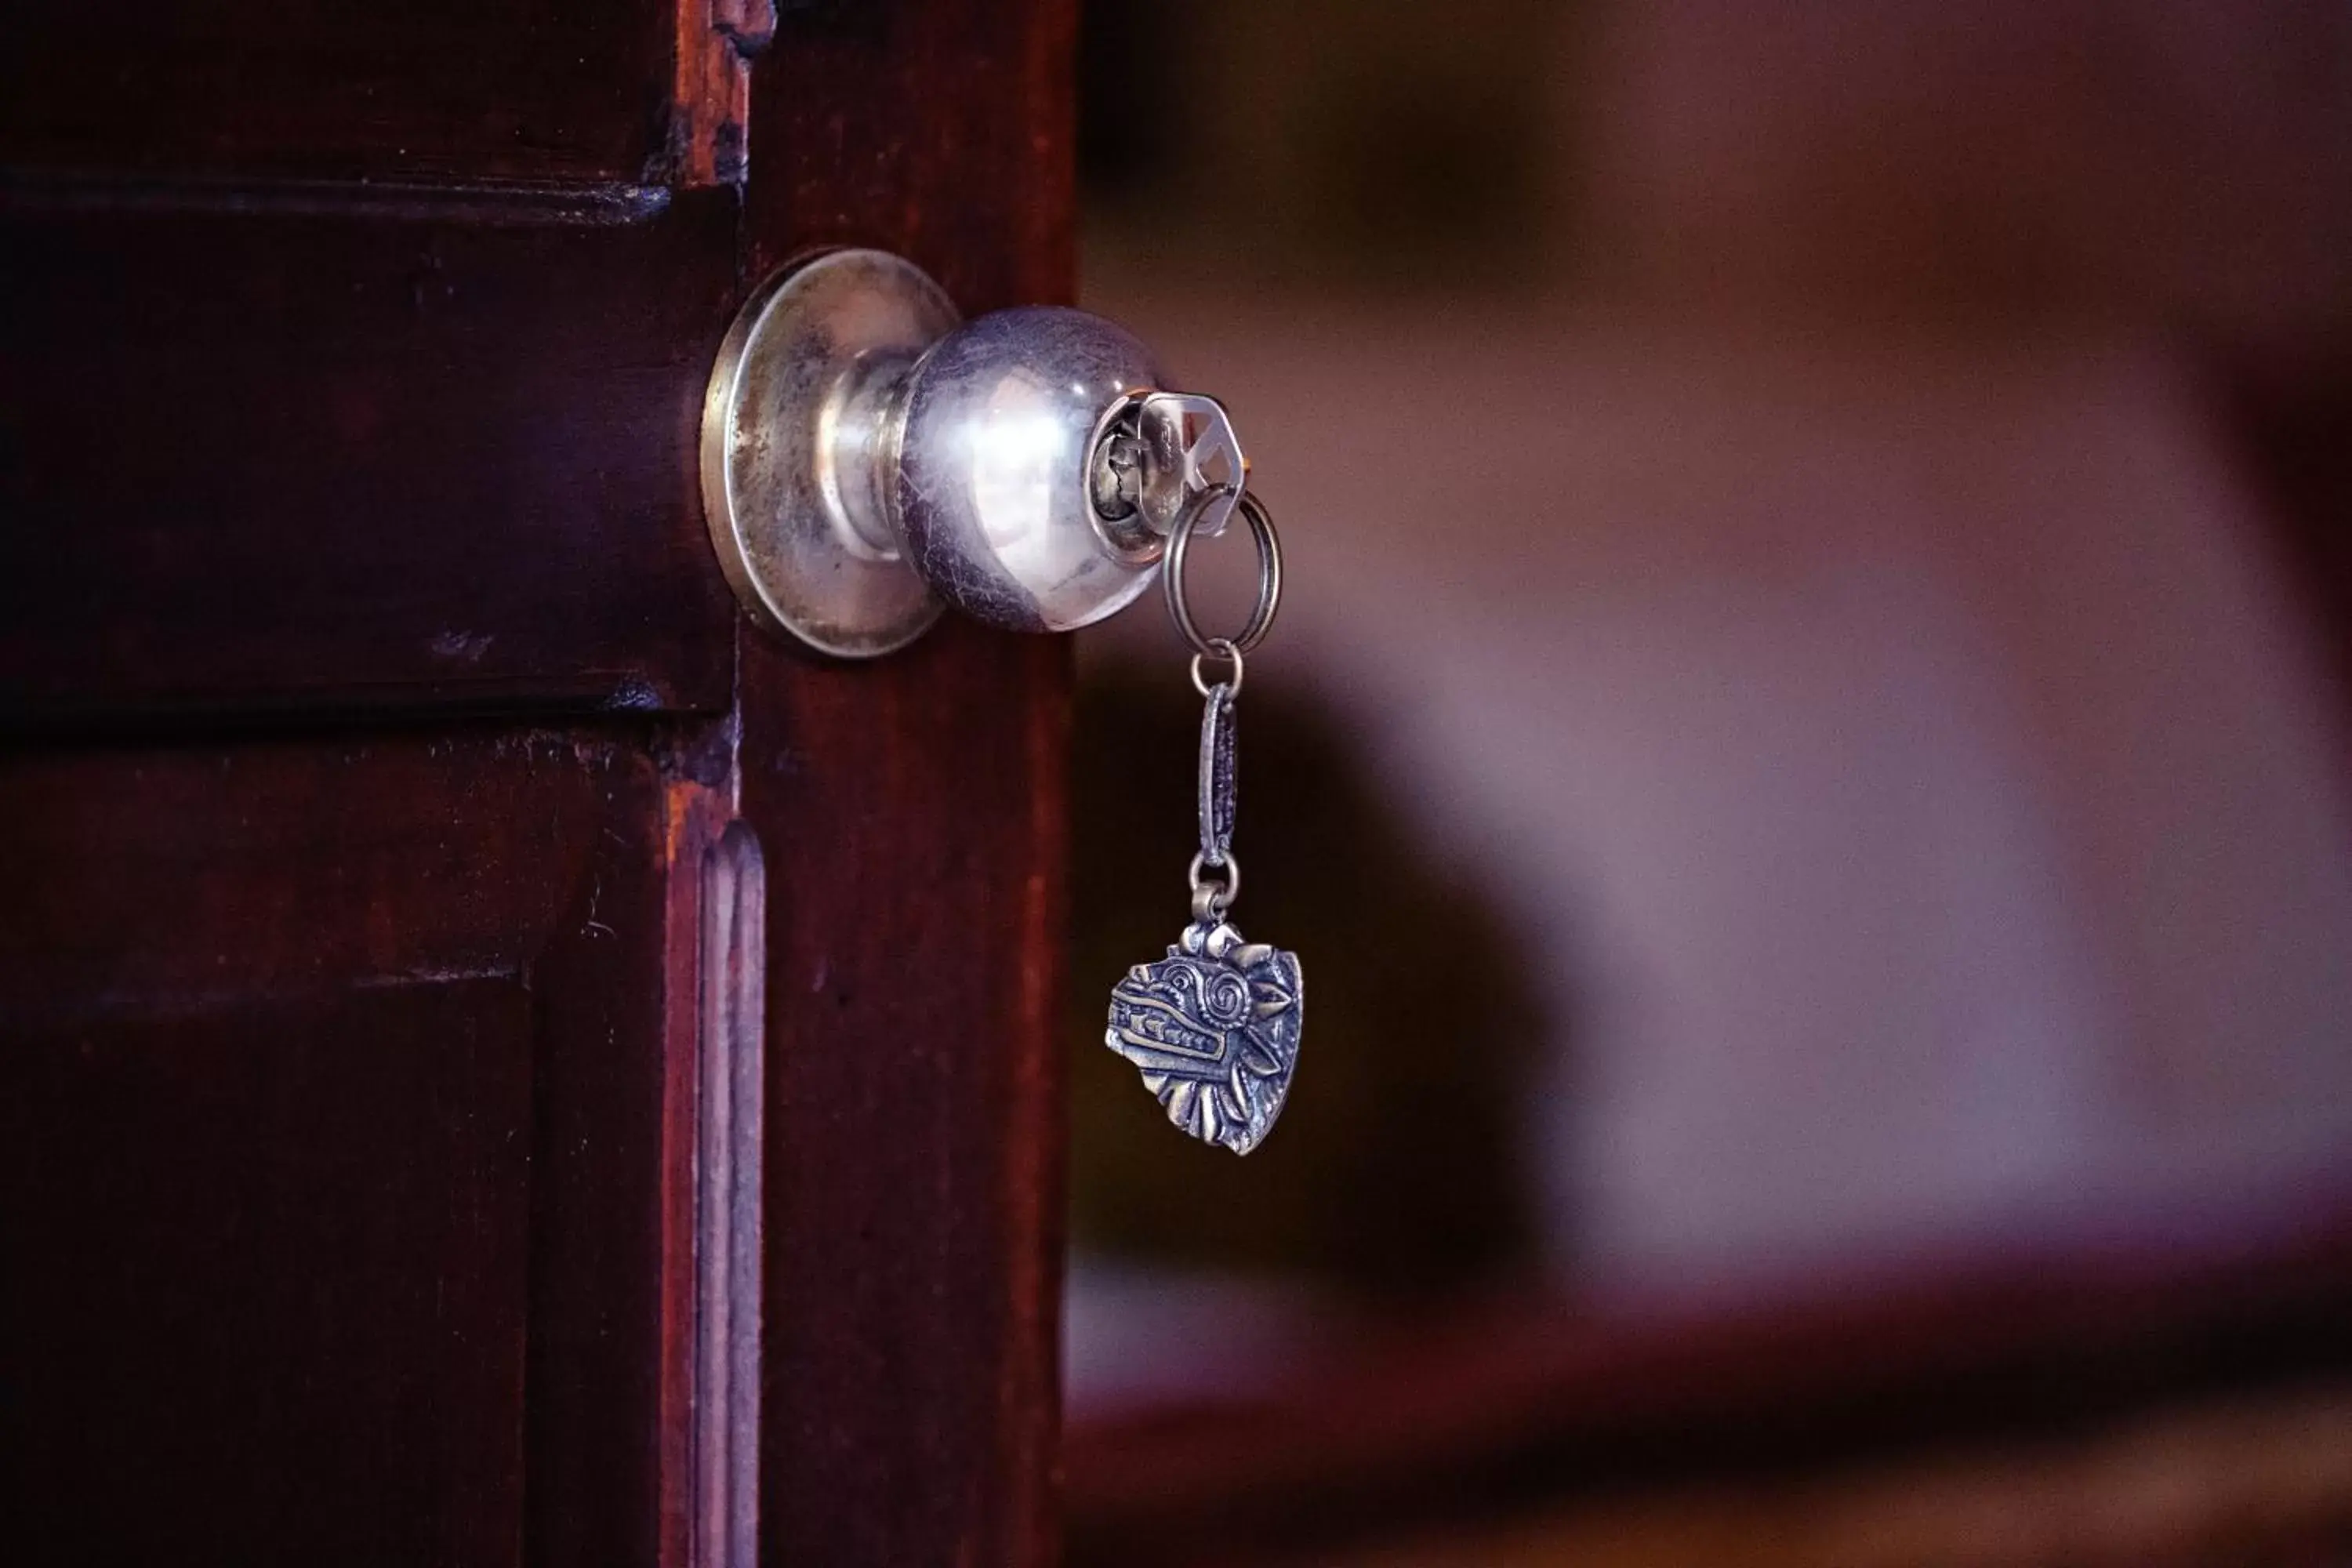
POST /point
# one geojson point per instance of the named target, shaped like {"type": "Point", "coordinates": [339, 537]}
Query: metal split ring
{"type": "Point", "coordinates": [1269, 580]}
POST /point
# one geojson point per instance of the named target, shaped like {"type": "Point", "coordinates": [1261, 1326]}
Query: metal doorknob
{"type": "Point", "coordinates": [869, 456]}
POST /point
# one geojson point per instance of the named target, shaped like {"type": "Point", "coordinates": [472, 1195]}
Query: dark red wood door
{"type": "Point", "coordinates": [402, 831]}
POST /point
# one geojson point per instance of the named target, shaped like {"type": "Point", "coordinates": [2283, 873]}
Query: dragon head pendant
{"type": "Point", "coordinates": [1214, 1028]}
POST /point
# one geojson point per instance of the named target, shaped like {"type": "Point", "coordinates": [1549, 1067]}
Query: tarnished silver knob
{"type": "Point", "coordinates": [866, 456]}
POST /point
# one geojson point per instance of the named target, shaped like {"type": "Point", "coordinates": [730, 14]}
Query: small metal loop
{"type": "Point", "coordinates": [1219, 647]}
{"type": "Point", "coordinates": [1211, 899]}
{"type": "Point", "coordinates": [1269, 573]}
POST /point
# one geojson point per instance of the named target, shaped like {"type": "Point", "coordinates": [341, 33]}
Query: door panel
{"type": "Point", "coordinates": [331, 1099]}
{"type": "Point", "coordinates": [338, 91]}
{"type": "Point", "coordinates": [342, 460]}
{"type": "Point", "coordinates": [282, 1242]}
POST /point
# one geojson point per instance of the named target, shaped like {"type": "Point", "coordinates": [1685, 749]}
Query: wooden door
{"type": "Point", "coordinates": [403, 836]}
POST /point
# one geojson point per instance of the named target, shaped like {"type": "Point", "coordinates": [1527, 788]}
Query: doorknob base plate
{"type": "Point", "coordinates": [798, 396]}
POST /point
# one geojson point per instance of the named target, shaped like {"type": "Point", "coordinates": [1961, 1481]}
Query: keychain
{"type": "Point", "coordinates": [1213, 1027]}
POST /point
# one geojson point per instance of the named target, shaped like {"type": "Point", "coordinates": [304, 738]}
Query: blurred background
{"type": "Point", "coordinates": [1805, 759]}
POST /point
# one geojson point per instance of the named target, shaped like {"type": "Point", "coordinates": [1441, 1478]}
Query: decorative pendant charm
{"type": "Point", "coordinates": [1213, 1027]}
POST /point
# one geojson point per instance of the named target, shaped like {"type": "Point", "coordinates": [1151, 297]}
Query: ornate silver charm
{"type": "Point", "coordinates": [1213, 1027]}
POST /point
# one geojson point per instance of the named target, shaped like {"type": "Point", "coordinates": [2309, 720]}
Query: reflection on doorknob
{"type": "Point", "coordinates": [867, 455]}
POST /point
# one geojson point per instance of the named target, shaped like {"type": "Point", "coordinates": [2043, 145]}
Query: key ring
{"type": "Point", "coordinates": [1214, 1027]}
{"type": "Point", "coordinates": [1269, 575]}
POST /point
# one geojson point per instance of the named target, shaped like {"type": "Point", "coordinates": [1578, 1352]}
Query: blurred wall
{"type": "Point", "coordinates": [1760, 497]}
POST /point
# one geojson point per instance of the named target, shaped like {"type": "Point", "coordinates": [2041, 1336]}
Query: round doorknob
{"type": "Point", "coordinates": [867, 456]}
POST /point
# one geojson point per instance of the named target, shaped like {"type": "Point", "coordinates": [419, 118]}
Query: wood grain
{"type": "Point", "coordinates": [305, 463]}
{"type": "Point", "coordinates": [532, 89]}
{"type": "Point", "coordinates": [330, 1084]}
{"type": "Point", "coordinates": [914, 1127]}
